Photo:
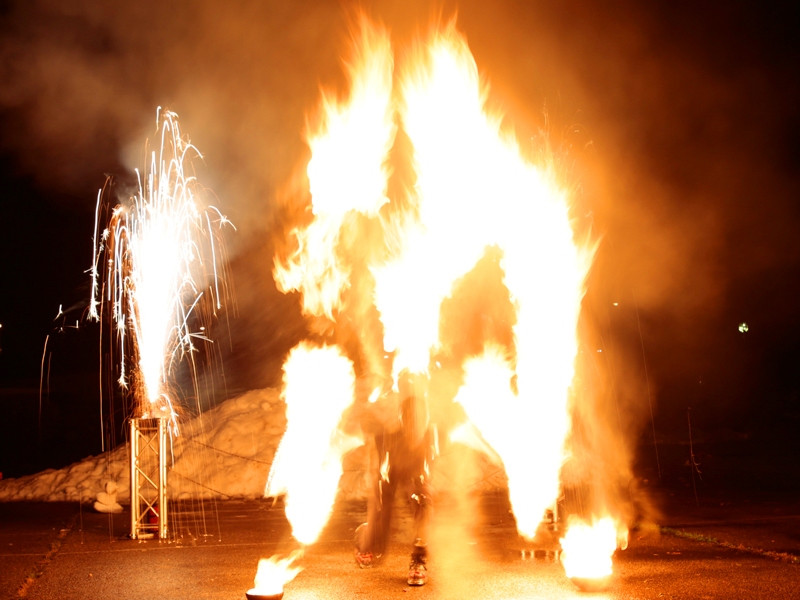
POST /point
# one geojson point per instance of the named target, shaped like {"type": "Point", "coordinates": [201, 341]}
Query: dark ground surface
{"type": "Point", "coordinates": [708, 547]}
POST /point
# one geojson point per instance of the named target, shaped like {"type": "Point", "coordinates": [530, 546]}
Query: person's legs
{"type": "Point", "coordinates": [371, 537]}
{"type": "Point", "coordinates": [423, 506]}
{"type": "Point", "coordinates": [421, 497]}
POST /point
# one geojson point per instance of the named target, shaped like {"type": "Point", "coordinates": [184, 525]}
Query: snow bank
{"type": "Point", "coordinates": [226, 453]}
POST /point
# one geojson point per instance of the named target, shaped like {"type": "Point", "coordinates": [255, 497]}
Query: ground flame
{"type": "Point", "coordinates": [274, 573]}
{"type": "Point", "coordinates": [587, 549]}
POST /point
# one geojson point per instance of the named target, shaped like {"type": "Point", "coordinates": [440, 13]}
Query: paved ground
{"type": "Point", "coordinates": [733, 549]}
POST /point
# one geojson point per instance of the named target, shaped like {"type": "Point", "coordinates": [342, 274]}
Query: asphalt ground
{"type": "Point", "coordinates": [700, 549]}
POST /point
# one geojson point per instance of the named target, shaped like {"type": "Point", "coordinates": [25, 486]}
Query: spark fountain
{"type": "Point", "coordinates": [375, 273]}
{"type": "Point", "coordinates": [156, 268]}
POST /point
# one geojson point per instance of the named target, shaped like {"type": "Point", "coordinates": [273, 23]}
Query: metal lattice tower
{"type": "Point", "coordinates": [148, 478]}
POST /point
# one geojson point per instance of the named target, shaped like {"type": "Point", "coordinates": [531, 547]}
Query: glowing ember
{"type": "Point", "coordinates": [587, 550]}
{"type": "Point", "coordinates": [153, 260]}
{"type": "Point", "coordinates": [273, 574]}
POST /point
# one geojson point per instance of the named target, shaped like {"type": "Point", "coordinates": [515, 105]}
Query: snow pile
{"type": "Point", "coordinates": [227, 452]}
{"type": "Point", "coordinates": [224, 452]}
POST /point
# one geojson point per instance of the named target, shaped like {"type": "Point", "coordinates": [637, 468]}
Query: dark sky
{"type": "Point", "coordinates": [675, 123]}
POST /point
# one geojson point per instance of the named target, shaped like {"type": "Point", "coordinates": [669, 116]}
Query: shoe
{"type": "Point", "coordinates": [364, 560]}
{"type": "Point", "coordinates": [417, 573]}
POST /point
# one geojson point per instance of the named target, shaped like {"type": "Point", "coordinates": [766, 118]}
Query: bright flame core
{"type": "Point", "coordinates": [318, 387]}
{"type": "Point", "coordinates": [475, 191]}
{"type": "Point", "coordinates": [347, 176]}
{"type": "Point", "coordinates": [587, 549]}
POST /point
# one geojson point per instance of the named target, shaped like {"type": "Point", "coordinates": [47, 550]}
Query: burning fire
{"type": "Point", "coordinates": [587, 550]}
{"type": "Point", "coordinates": [369, 266]}
{"type": "Point", "coordinates": [347, 176]}
{"type": "Point", "coordinates": [273, 573]}
{"type": "Point", "coordinates": [471, 173]}
{"type": "Point", "coordinates": [318, 387]}
{"type": "Point", "coordinates": [153, 261]}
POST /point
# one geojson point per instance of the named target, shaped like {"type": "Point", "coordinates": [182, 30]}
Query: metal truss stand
{"type": "Point", "coordinates": [148, 478]}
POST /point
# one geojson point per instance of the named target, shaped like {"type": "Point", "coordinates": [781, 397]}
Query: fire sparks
{"type": "Point", "coordinates": [153, 260]}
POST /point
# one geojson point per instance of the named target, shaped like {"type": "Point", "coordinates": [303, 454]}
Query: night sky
{"type": "Point", "coordinates": [676, 126]}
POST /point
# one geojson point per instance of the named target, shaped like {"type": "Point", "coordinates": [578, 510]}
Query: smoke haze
{"type": "Point", "coordinates": [674, 125]}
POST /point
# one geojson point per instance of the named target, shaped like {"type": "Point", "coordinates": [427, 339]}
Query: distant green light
{"type": "Point", "coordinates": [743, 327]}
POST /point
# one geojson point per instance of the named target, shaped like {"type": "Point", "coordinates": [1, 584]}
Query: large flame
{"type": "Point", "coordinates": [474, 195]}
{"type": "Point", "coordinates": [155, 259]}
{"type": "Point", "coordinates": [476, 191]}
{"type": "Point", "coordinates": [318, 387]}
{"type": "Point", "coordinates": [347, 175]}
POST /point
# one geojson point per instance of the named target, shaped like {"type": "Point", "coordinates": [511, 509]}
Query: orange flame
{"type": "Point", "coordinates": [476, 191]}
{"type": "Point", "coordinates": [274, 573]}
{"type": "Point", "coordinates": [318, 387]}
{"type": "Point", "coordinates": [347, 175]}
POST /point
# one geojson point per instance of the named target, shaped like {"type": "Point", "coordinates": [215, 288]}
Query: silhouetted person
{"type": "Point", "coordinates": [405, 450]}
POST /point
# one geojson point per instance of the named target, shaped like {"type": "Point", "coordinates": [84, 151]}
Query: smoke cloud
{"type": "Point", "coordinates": [664, 122]}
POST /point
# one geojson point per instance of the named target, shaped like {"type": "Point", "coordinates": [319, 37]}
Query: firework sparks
{"type": "Point", "coordinates": [151, 266]}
